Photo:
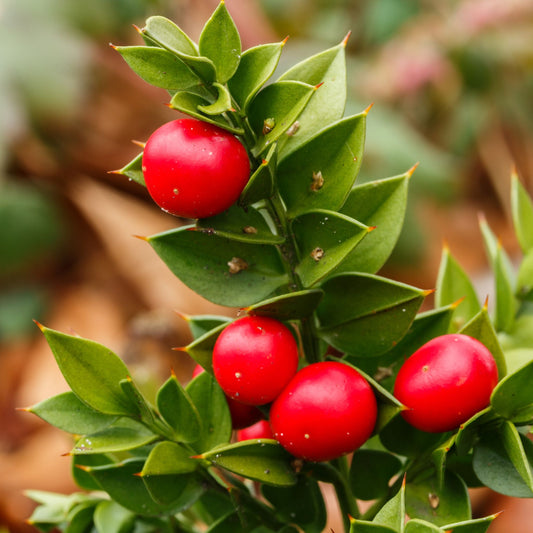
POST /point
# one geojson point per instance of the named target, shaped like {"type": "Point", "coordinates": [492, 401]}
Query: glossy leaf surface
{"type": "Point", "coordinates": [201, 262]}
{"type": "Point", "coordinates": [133, 170]}
{"type": "Point", "coordinates": [111, 517]}
{"type": "Point", "coordinates": [201, 348]}
{"type": "Point", "coordinates": [392, 514]}
{"type": "Point", "coordinates": [290, 306]}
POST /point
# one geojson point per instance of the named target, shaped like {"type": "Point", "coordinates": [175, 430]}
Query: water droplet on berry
{"type": "Point", "coordinates": [238, 375]}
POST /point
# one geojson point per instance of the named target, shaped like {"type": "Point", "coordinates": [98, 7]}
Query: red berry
{"type": "Point", "coordinates": [259, 430]}
{"type": "Point", "coordinates": [327, 410]}
{"type": "Point", "coordinates": [194, 169]}
{"type": "Point", "coordinates": [242, 415]}
{"type": "Point", "coordinates": [445, 382]}
{"type": "Point", "coordinates": [254, 358]}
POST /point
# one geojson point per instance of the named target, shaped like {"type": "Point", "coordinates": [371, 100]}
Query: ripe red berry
{"type": "Point", "coordinates": [242, 415]}
{"type": "Point", "coordinates": [445, 382]}
{"type": "Point", "coordinates": [254, 358]}
{"type": "Point", "coordinates": [327, 410]}
{"type": "Point", "coordinates": [194, 169]}
{"type": "Point", "coordinates": [259, 430]}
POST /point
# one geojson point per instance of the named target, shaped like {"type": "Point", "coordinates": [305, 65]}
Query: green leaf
{"type": "Point", "coordinates": [468, 432]}
{"type": "Point", "coordinates": [220, 105]}
{"type": "Point", "coordinates": [261, 183]}
{"type": "Point", "coordinates": [439, 504]}
{"type": "Point", "coordinates": [365, 315]}
{"type": "Point", "coordinates": [512, 398]}
{"type": "Point", "coordinates": [321, 173]}
{"type": "Point", "coordinates": [327, 106]}
{"type": "Point", "coordinates": [92, 371]}
{"type": "Point", "coordinates": [203, 263]}
{"type": "Point", "coordinates": [178, 411]}
{"type": "Point", "coordinates": [300, 504]}
{"type": "Point", "coordinates": [133, 170]}
{"type": "Point", "coordinates": [275, 108]}
{"type": "Point", "coordinates": [158, 67]}
{"type": "Point", "coordinates": [80, 517]}
{"type": "Point", "coordinates": [68, 413]}
{"type": "Point", "coordinates": [505, 304]}
{"type": "Point", "coordinates": [213, 410]}
{"type": "Point", "coordinates": [392, 514]}
{"type": "Point", "coordinates": [201, 349]}
{"type": "Point", "coordinates": [220, 42]}
{"type": "Point", "coordinates": [82, 478]}
{"type": "Point", "coordinates": [421, 526]}
{"type": "Point", "coordinates": [255, 68]}
{"type": "Point", "coordinates": [123, 484]}
{"type": "Point", "coordinates": [324, 239]}
{"type": "Point", "coordinates": [453, 284]}
{"type": "Point", "coordinates": [166, 34]}
{"type": "Point", "coordinates": [362, 526]}
{"type": "Point", "coordinates": [290, 306]}
{"type": "Point", "coordinates": [262, 460]}
{"type": "Point", "coordinates": [480, 327]}
{"type": "Point", "coordinates": [522, 213]}
{"type": "Point", "coordinates": [166, 475]}
{"type": "Point", "coordinates": [192, 103]}
{"type": "Point", "coordinates": [122, 436]}
{"type": "Point", "coordinates": [380, 204]}
{"type": "Point", "coordinates": [202, 324]}
{"type": "Point", "coordinates": [371, 472]}
{"type": "Point", "coordinates": [493, 462]}
{"type": "Point", "coordinates": [238, 224]}
{"type": "Point", "coordinates": [479, 525]}
{"type": "Point", "coordinates": [146, 411]}
{"type": "Point", "coordinates": [238, 521]}
{"type": "Point", "coordinates": [111, 517]}
{"type": "Point", "coordinates": [524, 281]}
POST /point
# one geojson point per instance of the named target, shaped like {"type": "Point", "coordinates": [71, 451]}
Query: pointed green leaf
{"type": "Point", "coordinates": [512, 398]}
{"type": "Point", "coordinates": [327, 106]}
{"type": "Point", "coordinates": [324, 239]}
{"type": "Point", "coordinates": [261, 183]}
{"type": "Point", "coordinates": [392, 514]}
{"type": "Point", "coordinates": [262, 460]}
{"type": "Point", "coordinates": [220, 42]}
{"type": "Point", "coordinates": [522, 213]}
{"type": "Point", "coordinates": [80, 517]}
{"type": "Point", "coordinates": [255, 68]}
{"type": "Point", "coordinates": [371, 472]}
{"type": "Point", "coordinates": [179, 491]}
{"type": "Point", "coordinates": [159, 67]}
{"type": "Point", "coordinates": [82, 478]}
{"type": "Point", "coordinates": [92, 371]}
{"type": "Point", "coordinates": [275, 108]}
{"type": "Point", "coordinates": [191, 104]}
{"type": "Point", "coordinates": [439, 504]}
{"type": "Point", "coordinates": [380, 204]}
{"type": "Point", "coordinates": [204, 263]}
{"type": "Point", "coordinates": [201, 324]}
{"type": "Point", "coordinates": [512, 442]}
{"type": "Point", "coordinates": [479, 525]}
{"type": "Point", "coordinates": [300, 504]}
{"type": "Point", "coordinates": [505, 304]}
{"type": "Point", "coordinates": [453, 284]}
{"type": "Point", "coordinates": [168, 458]}
{"type": "Point", "coordinates": [146, 412]}
{"type": "Point", "coordinates": [122, 436]}
{"type": "Point", "coordinates": [524, 281]}
{"type": "Point", "coordinates": [68, 413]}
{"type": "Point", "coordinates": [123, 484]}
{"type": "Point", "coordinates": [321, 173]}
{"type": "Point", "coordinates": [201, 349]}
{"type": "Point", "coordinates": [421, 526]}
{"type": "Point", "coordinates": [494, 466]}
{"type": "Point", "coordinates": [362, 526]}
{"type": "Point", "coordinates": [166, 34]}
{"type": "Point", "coordinates": [178, 411]}
{"type": "Point", "coordinates": [111, 517]}
{"type": "Point", "coordinates": [133, 170]}
{"type": "Point", "coordinates": [468, 432]}
{"type": "Point", "coordinates": [213, 410]}
{"type": "Point", "coordinates": [480, 327]}
{"type": "Point", "coordinates": [221, 105]}
{"type": "Point", "coordinates": [365, 315]}
{"type": "Point", "coordinates": [244, 225]}
{"type": "Point", "coordinates": [290, 306]}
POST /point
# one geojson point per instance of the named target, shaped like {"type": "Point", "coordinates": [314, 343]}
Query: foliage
{"type": "Point", "coordinates": [169, 463]}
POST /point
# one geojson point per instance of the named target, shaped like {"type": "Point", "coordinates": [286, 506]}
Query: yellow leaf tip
{"type": "Point", "coordinates": [411, 171]}
{"type": "Point", "coordinates": [138, 143]}
{"type": "Point", "coordinates": [367, 110]}
{"type": "Point", "coordinates": [141, 237]}
{"type": "Point", "coordinates": [345, 40]}
{"type": "Point", "coordinates": [39, 325]}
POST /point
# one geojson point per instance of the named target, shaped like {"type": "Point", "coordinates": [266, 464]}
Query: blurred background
{"type": "Point", "coordinates": [452, 87]}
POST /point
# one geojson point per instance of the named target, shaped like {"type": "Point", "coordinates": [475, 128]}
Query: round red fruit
{"type": "Point", "coordinates": [254, 358]}
{"type": "Point", "coordinates": [445, 382]}
{"type": "Point", "coordinates": [259, 430]}
{"type": "Point", "coordinates": [193, 169]}
{"type": "Point", "coordinates": [242, 415]}
{"type": "Point", "coordinates": [327, 410]}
